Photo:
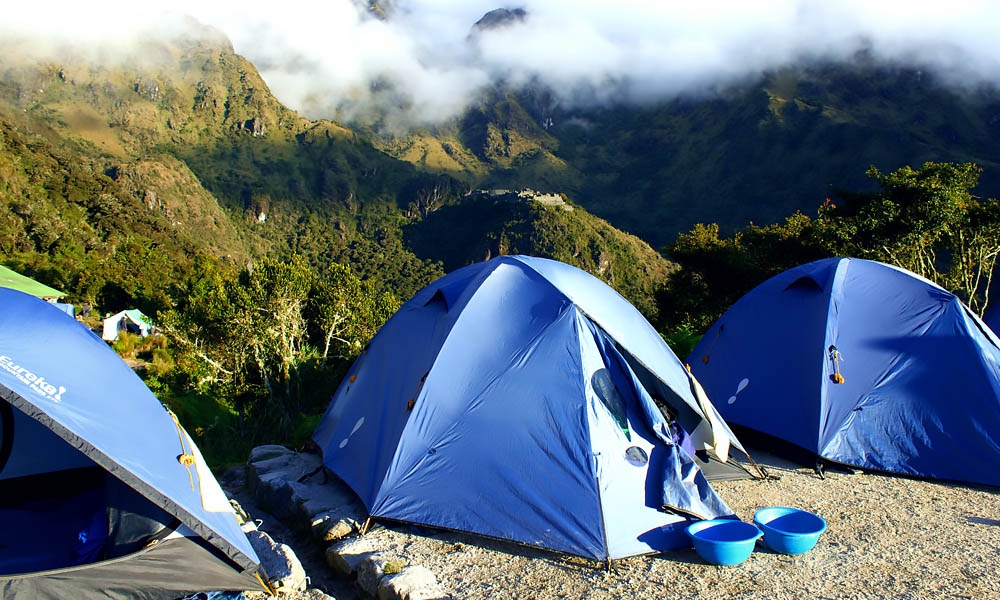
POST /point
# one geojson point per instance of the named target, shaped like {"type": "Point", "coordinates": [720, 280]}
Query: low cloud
{"type": "Point", "coordinates": [425, 63]}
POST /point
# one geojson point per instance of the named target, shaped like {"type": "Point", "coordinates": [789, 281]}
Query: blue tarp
{"type": "Point", "coordinates": [502, 400]}
{"type": "Point", "coordinates": [863, 364]}
{"type": "Point", "coordinates": [76, 403]}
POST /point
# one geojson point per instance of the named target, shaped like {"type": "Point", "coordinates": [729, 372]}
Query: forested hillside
{"type": "Point", "coordinates": [267, 247]}
{"type": "Point", "coordinates": [183, 150]}
{"type": "Point", "coordinates": [757, 151]}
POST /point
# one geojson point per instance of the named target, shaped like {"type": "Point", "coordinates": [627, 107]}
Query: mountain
{"type": "Point", "coordinates": [119, 171]}
{"type": "Point", "coordinates": [753, 152]}
{"type": "Point", "coordinates": [487, 223]}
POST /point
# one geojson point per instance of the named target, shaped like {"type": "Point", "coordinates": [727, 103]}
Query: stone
{"type": "Point", "coordinates": [370, 571]}
{"type": "Point", "coordinates": [332, 529]}
{"type": "Point", "coordinates": [283, 568]}
{"type": "Point", "coordinates": [346, 556]}
{"type": "Point", "coordinates": [411, 583]}
{"type": "Point", "coordinates": [265, 452]}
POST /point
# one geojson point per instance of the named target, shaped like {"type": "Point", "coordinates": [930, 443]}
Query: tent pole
{"type": "Point", "coordinates": [760, 470]}
{"type": "Point", "coordinates": [265, 583]}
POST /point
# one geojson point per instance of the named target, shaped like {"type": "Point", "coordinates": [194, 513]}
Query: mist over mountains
{"type": "Point", "coordinates": [355, 131]}
{"type": "Point", "coordinates": [423, 62]}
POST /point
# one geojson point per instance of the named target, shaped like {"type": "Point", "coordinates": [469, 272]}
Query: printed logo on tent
{"type": "Point", "coordinates": [357, 426]}
{"type": "Point", "coordinates": [739, 388]}
{"type": "Point", "coordinates": [37, 383]}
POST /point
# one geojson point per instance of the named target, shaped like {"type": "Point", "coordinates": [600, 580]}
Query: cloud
{"type": "Point", "coordinates": [422, 66]}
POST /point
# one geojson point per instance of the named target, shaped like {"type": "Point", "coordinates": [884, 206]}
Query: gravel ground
{"type": "Point", "coordinates": [887, 537]}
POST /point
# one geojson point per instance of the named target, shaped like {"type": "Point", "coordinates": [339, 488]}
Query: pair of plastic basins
{"type": "Point", "coordinates": [729, 542]}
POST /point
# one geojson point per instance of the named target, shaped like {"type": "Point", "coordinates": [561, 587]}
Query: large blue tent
{"type": "Point", "coordinates": [102, 492]}
{"type": "Point", "coordinates": [519, 398]}
{"type": "Point", "coordinates": [863, 364]}
{"type": "Point", "coordinates": [992, 318]}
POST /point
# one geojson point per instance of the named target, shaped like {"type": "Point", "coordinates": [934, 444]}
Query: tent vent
{"type": "Point", "coordinates": [806, 282]}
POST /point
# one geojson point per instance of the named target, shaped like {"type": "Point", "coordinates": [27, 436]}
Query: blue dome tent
{"type": "Point", "coordinates": [992, 318]}
{"type": "Point", "coordinates": [519, 398]}
{"type": "Point", "coordinates": [102, 492]}
{"type": "Point", "coordinates": [862, 364]}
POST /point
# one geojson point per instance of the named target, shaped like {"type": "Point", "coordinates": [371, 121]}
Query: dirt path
{"type": "Point", "coordinates": [887, 537]}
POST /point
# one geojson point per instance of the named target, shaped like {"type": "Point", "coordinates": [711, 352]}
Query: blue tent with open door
{"type": "Point", "coordinates": [102, 493]}
{"type": "Point", "coordinates": [523, 399]}
{"type": "Point", "coordinates": [863, 364]}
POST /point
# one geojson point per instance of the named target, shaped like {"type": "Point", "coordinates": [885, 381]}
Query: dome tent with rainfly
{"type": "Point", "coordinates": [515, 398]}
{"type": "Point", "coordinates": [102, 493]}
{"type": "Point", "coordinates": [862, 364]}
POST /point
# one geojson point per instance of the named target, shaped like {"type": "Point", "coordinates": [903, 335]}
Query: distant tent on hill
{"type": "Point", "coordinates": [862, 364]}
{"type": "Point", "coordinates": [16, 281]}
{"type": "Point", "coordinates": [132, 321]}
{"type": "Point", "coordinates": [517, 398]}
{"type": "Point", "coordinates": [102, 493]}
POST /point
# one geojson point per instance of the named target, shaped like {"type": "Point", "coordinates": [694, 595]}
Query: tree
{"type": "Point", "coordinates": [926, 221]}
{"type": "Point", "coordinates": [716, 271]}
{"type": "Point", "coordinates": [251, 336]}
{"type": "Point", "coordinates": [242, 335]}
{"type": "Point", "coordinates": [345, 312]}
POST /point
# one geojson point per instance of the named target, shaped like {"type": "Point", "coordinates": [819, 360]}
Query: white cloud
{"type": "Point", "coordinates": [330, 60]}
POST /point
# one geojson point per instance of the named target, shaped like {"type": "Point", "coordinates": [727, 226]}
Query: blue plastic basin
{"type": "Point", "coordinates": [723, 541]}
{"type": "Point", "coordinates": [789, 530]}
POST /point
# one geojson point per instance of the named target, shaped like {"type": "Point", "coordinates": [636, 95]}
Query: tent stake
{"type": "Point", "coordinates": [365, 526]}
{"type": "Point", "coordinates": [763, 475]}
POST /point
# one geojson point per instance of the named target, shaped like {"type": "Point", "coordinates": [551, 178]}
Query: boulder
{"type": "Point", "coordinates": [411, 583]}
{"type": "Point", "coordinates": [284, 570]}
{"type": "Point", "coordinates": [346, 556]}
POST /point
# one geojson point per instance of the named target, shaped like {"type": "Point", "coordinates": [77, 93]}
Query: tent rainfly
{"type": "Point", "coordinates": [863, 364]}
{"type": "Point", "coordinates": [102, 492]}
{"type": "Point", "coordinates": [520, 398]}
{"type": "Point", "coordinates": [16, 281]}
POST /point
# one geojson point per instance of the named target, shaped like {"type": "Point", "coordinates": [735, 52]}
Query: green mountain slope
{"type": "Point", "coordinates": [755, 152]}
{"type": "Point", "coordinates": [115, 176]}
{"type": "Point", "coordinates": [486, 224]}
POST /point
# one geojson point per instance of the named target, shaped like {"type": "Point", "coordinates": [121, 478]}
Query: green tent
{"type": "Point", "coordinates": [14, 280]}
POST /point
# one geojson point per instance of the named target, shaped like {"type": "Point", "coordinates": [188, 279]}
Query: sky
{"type": "Point", "coordinates": [331, 60]}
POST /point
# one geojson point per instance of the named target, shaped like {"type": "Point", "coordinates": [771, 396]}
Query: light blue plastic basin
{"type": "Point", "coordinates": [789, 530]}
{"type": "Point", "coordinates": [723, 541]}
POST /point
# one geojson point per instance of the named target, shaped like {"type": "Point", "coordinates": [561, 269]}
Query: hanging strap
{"type": "Point", "coordinates": [835, 358]}
{"type": "Point", "coordinates": [186, 457]}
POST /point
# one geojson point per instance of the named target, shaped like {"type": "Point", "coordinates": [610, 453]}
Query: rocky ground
{"type": "Point", "coordinates": [887, 537]}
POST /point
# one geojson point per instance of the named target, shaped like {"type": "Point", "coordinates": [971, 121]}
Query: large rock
{"type": "Point", "coordinates": [411, 583]}
{"type": "Point", "coordinates": [370, 572]}
{"type": "Point", "coordinates": [297, 489]}
{"type": "Point", "coordinates": [332, 526]}
{"type": "Point", "coordinates": [284, 570]}
{"type": "Point", "coordinates": [346, 556]}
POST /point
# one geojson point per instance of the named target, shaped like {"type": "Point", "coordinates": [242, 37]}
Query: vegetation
{"type": "Point", "coordinates": [755, 152]}
{"type": "Point", "coordinates": [270, 340]}
{"type": "Point", "coordinates": [926, 220]}
{"type": "Point", "coordinates": [269, 248]}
